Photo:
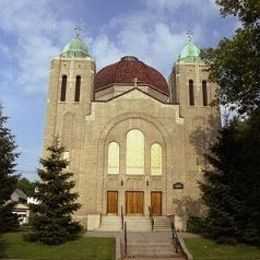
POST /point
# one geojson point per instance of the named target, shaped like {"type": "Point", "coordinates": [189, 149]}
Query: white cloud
{"type": "Point", "coordinates": [31, 39]}
{"type": "Point", "coordinates": [104, 51]}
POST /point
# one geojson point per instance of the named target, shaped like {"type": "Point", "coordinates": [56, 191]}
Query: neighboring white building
{"type": "Point", "coordinates": [21, 208]}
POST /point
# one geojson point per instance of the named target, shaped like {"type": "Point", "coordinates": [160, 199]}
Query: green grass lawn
{"type": "Point", "coordinates": [202, 248]}
{"type": "Point", "coordinates": [13, 246]}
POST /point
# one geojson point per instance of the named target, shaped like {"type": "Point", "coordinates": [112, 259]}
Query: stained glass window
{"type": "Point", "coordinates": [135, 152]}
{"type": "Point", "coordinates": [113, 158]}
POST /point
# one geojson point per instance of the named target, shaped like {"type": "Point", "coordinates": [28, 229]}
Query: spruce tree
{"type": "Point", "coordinates": [217, 192]}
{"type": "Point", "coordinates": [231, 189]}
{"type": "Point", "coordinates": [52, 223]}
{"type": "Point", "coordinates": [8, 178]}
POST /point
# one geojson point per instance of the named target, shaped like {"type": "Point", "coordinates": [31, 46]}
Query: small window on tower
{"type": "Point", "coordinates": [204, 93]}
{"type": "Point", "coordinates": [191, 92]}
{"type": "Point", "coordinates": [77, 89]}
{"type": "Point", "coordinates": [63, 88]}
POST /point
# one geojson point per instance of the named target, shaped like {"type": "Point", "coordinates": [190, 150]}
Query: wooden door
{"type": "Point", "coordinates": [156, 203]}
{"type": "Point", "coordinates": [134, 202]}
{"type": "Point", "coordinates": [112, 202]}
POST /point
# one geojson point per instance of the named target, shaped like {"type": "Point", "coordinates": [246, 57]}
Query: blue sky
{"type": "Point", "coordinates": [31, 32]}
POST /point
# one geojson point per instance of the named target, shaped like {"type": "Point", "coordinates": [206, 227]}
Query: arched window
{"type": "Point", "coordinates": [191, 92]}
{"type": "Point", "coordinates": [77, 89]}
{"type": "Point", "coordinates": [63, 88]}
{"type": "Point", "coordinates": [156, 159]}
{"type": "Point", "coordinates": [135, 152]}
{"type": "Point", "coordinates": [113, 158]}
{"type": "Point", "coordinates": [204, 93]}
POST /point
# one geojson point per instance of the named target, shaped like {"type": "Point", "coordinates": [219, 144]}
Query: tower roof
{"type": "Point", "coordinates": [75, 48]}
{"type": "Point", "coordinates": [190, 53]}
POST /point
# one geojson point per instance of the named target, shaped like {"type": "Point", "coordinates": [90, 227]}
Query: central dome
{"type": "Point", "coordinates": [126, 71]}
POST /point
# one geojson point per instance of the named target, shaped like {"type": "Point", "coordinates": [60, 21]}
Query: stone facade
{"type": "Point", "coordinates": [100, 117]}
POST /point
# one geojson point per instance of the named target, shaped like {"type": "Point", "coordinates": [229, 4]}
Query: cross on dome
{"type": "Point", "coordinates": [77, 30]}
{"type": "Point", "coordinates": [189, 35]}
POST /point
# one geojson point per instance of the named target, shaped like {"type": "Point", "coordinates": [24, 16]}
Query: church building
{"type": "Point", "coordinates": [134, 140]}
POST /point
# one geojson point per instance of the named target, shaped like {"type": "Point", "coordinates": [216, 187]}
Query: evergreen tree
{"type": "Point", "coordinates": [232, 185]}
{"type": "Point", "coordinates": [52, 222]}
{"type": "Point", "coordinates": [8, 178]}
{"type": "Point", "coordinates": [26, 186]}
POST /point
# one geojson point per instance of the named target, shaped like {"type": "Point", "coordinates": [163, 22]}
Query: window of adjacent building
{"type": "Point", "coordinates": [113, 158]}
{"type": "Point", "coordinates": [204, 93]}
{"type": "Point", "coordinates": [77, 89]}
{"type": "Point", "coordinates": [191, 92]}
{"type": "Point", "coordinates": [135, 152]}
{"type": "Point", "coordinates": [63, 88]}
{"type": "Point", "coordinates": [156, 159]}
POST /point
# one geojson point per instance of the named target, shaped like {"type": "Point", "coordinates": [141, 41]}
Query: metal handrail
{"type": "Point", "coordinates": [125, 238]}
{"type": "Point", "coordinates": [175, 238]}
{"type": "Point", "coordinates": [151, 217]}
{"type": "Point", "coordinates": [122, 217]}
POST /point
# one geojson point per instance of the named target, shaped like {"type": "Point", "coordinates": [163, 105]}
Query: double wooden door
{"type": "Point", "coordinates": [112, 202]}
{"type": "Point", "coordinates": [134, 202]}
{"type": "Point", "coordinates": [156, 203]}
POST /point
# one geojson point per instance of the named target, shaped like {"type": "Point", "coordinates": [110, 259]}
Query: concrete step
{"type": "Point", "coordinates": [162, 224]}
{"type": "Point", "coordinates": [151, 253]}
{"type": "Point", "coordinates": [110, 223]}
{"type": "Point", "coordinates": [151, 245]}
{"type": "Point", "coordinates": [138, 224]}
{"type": "Point", "coordinates": [157, 258]}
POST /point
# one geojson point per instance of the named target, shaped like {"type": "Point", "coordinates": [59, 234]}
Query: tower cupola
{"type": "Point", "coordinates": [75, 48]}
{"type": "Point", "coordinates": [190, 53]}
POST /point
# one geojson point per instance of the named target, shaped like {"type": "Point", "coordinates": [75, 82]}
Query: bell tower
{"type": "Point", "coordinates": [193, 92]}
{"type": "Point", "coordinates": [70, 95]}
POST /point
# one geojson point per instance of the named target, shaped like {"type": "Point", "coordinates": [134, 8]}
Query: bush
{"type": "Point", "coordinates": [196, 225]}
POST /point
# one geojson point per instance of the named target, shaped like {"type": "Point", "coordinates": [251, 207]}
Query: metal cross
{"type": "Point", "coordinates": [189, 35]}
{"type": "Point", "coordinates": [77, 29]}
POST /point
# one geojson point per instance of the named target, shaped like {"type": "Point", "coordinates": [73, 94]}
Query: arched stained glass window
{"type": "Point", "coordinates": [135, 152]}
{"type": "Point", "coordinates": [113, 158]}
{"type": "Point", "coordinates": [156, 159]}
{"type": "Point", "coordinates": [191, 92]}
{"type": "Point", "coordinates": [63, 88]}
{"type": "Point", "coordinates": [204, 93]}
{"type": "Point", "coordinates": [77, 89]}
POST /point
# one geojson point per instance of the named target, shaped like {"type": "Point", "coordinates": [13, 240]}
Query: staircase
{"type": "Point", "coordinates": [110, 224]}
{"type": "Point", "coordinates": [138, 224]}
{"type": "Point", "coordinates": [151, 245]}
{"type": "Point", "coordinates": [161, 224]}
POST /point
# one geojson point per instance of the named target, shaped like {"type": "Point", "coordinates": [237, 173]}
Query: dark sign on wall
{"type": "Point", "coordinates": [178, 186]}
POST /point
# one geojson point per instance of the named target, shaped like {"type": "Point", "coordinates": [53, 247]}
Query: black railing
{"type": "Point", "coordinates": [151, 216]}
{"type": "Point", "coordinates": [125, 238]}
{"type": "Point", "coordinates": [175, 238]}
{"type": "Point", "coordinates": [122, 217]}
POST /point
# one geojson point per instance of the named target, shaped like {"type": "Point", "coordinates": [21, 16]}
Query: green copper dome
{"type": "Point", "coordinates": [190, 53]}
{"type": "Point", "coordinates": [76, 48]}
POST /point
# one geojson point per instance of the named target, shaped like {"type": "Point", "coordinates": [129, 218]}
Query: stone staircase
{"type": "Point", "coordinates": [151, 245]}
{"type": "Point", "coordinates": [161, 224]}
{"type": "Point", "coordinates": [134, 224]}
{"type": "Point", "coordinates": [110, 224]}
{"type": "Point", "coordinates": [138, 224]}
{"type": "Point", "coordinates": [142, 242]}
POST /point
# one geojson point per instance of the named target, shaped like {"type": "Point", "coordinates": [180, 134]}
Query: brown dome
{"type": "Point", "coordinates": [126, 70]}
